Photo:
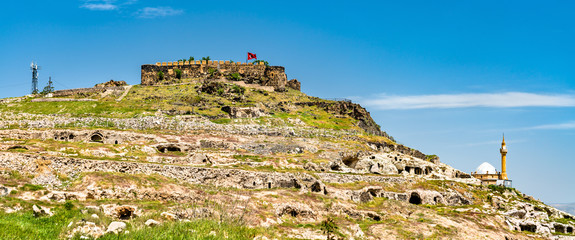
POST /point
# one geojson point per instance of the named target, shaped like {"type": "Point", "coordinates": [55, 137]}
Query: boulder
{"type": "Point", "coordinates": [169, 216]}
{"type": "Point", "coordinates": [116, 227]}
{"type": "Point", "coordinates": [4, 191]}
{"type": "Point", "coordinates": [86, 230]}
{"type": "Point", "coordinates": [41, 211]}
{"type": "Point", "coordinates": [152, 222]}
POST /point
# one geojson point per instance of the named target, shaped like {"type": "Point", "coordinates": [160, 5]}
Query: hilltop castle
{"type": "Point", "coordinates": [173, 72]}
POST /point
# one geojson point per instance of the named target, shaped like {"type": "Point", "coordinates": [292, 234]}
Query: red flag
{"type": "Point", "coordinates": [251, 56]}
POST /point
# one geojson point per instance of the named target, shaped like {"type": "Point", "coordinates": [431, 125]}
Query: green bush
{"type": "Point", "coordinates": [161, 75]}
{"type": "Point", "coordinates": [178, 73]}
{"type": "Point", "coordinates": [235, 77]}
{"type": "Point", "coordinates": [328, 227]}
{"type": "Point", "coordinates": [31, 187]}
{"type": "Point", "coordinates": [497, 188]}
{"type": "Point", "coordinates": [238, 89]}
{"type": "Point", "coordinates": [212, 71]}
{"type": "Point", "coordinates": [68, 205]}
{"type": "Point", "coordinates": [220, 91]}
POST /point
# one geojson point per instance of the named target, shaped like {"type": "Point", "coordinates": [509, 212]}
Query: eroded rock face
{"type": "Point", "coordinates": [294, 84]}
{"type": "Point", "coordinates": [295, 210]}
{"type": "Point", "coordinates": [244, 112]}
{"type": "Point", "coordinates": [120, 212]}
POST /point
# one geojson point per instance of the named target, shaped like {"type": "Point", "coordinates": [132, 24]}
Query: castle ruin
{"type": "Point", "coordinates": [166, 73]}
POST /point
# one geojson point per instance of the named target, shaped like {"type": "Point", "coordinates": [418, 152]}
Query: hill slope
{"type": "Point", "coordinates": [221, 159]}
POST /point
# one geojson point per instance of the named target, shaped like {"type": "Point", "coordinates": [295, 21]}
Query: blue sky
{"type": "Point", "coordinates": [445, 77]}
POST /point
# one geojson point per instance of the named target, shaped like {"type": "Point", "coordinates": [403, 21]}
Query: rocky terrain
{"type": "Point", "coordinates": [220, 159]}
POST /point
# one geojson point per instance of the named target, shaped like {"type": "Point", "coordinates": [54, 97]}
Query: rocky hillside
{"type": "Point", "coordinates": [220, 159]}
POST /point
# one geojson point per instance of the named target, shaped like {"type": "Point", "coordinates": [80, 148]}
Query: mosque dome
{"type": "Point", "coordinates": [486, 168]}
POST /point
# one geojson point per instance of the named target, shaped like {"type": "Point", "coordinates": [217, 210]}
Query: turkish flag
{"type": "Point", "coordinates": [251, 56]}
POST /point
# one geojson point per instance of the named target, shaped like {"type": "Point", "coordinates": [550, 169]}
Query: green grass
{"type": "Point", "coordinates": [31, 187]}
{"type": "Point", "coordinates": [23, 225]}
{"type": "Point", "coordinates": [195, 229]}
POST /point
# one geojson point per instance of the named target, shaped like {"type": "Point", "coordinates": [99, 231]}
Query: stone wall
{"type": "Point", "coordinates": [69, 92]}
{"type": "Point", "coordinates": [250, 73]}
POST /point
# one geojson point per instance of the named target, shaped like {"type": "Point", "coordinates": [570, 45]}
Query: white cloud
{"type": "Point", "coordinates": [496, 100]}
{"type": "Point", "coordinates": [559, 126]}
{"type": "Point", "coordinates": [154, 12]}
{"type": "Point", "coordinates": [105, 5]}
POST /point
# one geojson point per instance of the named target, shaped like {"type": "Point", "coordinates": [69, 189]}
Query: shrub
{"type": "Point", "coordinates": [238, 89]}
{"type": "Point", "coordinates": [31, 187]}
{"type": "Point", "coordinates": [328, 227]}
{"type": "Point", "coordinates": [234, 77]}
{"type": "Point", "coordinates": [178, 73]}
{"type": "Point", "coordinates": [497, 188]}
{"type": "Point", "coordinates": [212, 71]}
{"type": "Point", "coordinates": [220, 91]}
{"type": "Point", "coordinates": [161, 75]}
{"type": "Point", "coordinates": [68, 205]}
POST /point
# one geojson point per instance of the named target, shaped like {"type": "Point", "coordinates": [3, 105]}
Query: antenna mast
{"type": "Point", "coordinates": [34, 68]}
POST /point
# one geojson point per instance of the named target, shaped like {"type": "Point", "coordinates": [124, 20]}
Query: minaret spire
{"type": "Point", "coordinates": [503, 152]}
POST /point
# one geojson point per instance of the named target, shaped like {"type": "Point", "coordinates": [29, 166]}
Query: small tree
{"type": "Point", "coordinates": [161, 75]}
{"type": "Point", "coordinates": [48, 89]}
{"type": "Point", "coordinates": [206, 58]}
{"type": "Point", "coordinates": [178, 73]}
{"type": "Point", "coordinates": [328, 227]}
{"type": "Point", "coordinates": [191, 59]}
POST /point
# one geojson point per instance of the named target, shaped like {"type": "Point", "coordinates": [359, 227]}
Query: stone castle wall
{"type": "Point", "coordinates": [250, 73]}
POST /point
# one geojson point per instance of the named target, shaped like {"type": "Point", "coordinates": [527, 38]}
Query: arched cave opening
{"type": "Point", "coordinates": [16, 147]}
{"type": "Point", "coordinates": [415, 198]}
{"type": "Point", "coordinates": [559, 228]}
{"type": "Point", "coordinates": [350, 161]}
{"type": "Point", "coordinates": [124, 213]}
{"type": "Point", "coordinates": [166, 149]}
{"type": "Point", "coordinates": [316, 187]}
{"type": "Point", "coordinates": [437, 199]}
{"type": "Point", "coordinates": [528, 227]}
{"type": "Point", "coordinates": [96, 137]}
{"type": "Point", "coordinates": [116, 142]}
{"type": "Point", "coordinates": [71, 137]}
{"type": "Point", "coordinates": [569, 229]}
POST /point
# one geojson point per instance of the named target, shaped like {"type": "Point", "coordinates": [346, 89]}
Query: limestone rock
{"type": "Point", "coordinates": [244, 112]}
{"type": "Point", "coordinates": [295, 210]}
{"type": "Point", "coordinates": [169, 216]}
{"type": "Point", "coordinates": [4, 191]}
{"type": "Point", "coordinates": [121, 212]}
{"type": "Point", "coordinates": [116, 227]}
{"type": "Point", "coordinates": [41, 211]}
{"type": "Point", "coordinates": [87, 230]}
{"type": "Point", "coordinates": [152, 222]}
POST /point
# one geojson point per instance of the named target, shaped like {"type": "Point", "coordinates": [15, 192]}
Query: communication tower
{"type": "Point", "coordinates": [34, 68]}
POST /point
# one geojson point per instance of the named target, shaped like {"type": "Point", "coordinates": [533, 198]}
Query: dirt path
{"type": "Point", "coordinates": [125, 92]}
